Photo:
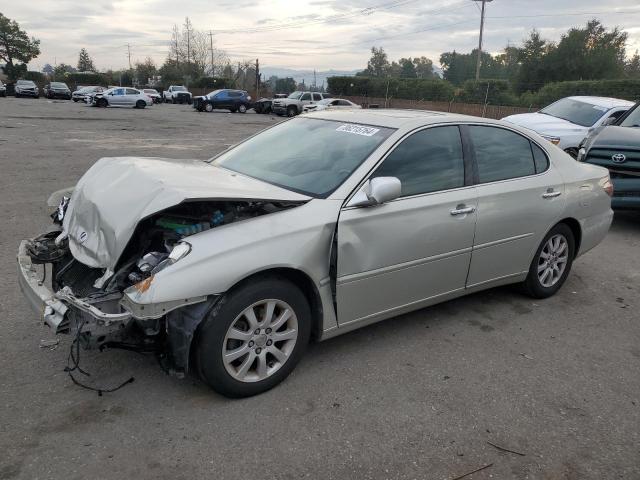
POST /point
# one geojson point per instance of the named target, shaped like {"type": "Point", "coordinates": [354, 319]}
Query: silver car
{"type": "Point", "coordinates": [119, 97]}
{"type": "Point", "coordinates": [228, 267]}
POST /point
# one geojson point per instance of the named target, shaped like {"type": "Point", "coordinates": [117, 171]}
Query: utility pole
{"type": "Point", "coordinates": [211, 48]}
{"type": "Point", "coordinates": [257, 79]}
{"type": "Point", "coordinates": [129, 54]}
{"type": "Point", "coordinates": [480, 40]}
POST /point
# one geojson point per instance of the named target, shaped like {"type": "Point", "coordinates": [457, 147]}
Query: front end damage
{"type": "Point", "coordinates": [97, 304]}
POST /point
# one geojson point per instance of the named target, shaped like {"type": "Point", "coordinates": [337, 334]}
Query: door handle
{"type": "Point", "coordinates": [462, 210]}
{"type": "Point", "coordinates": [551, 194]}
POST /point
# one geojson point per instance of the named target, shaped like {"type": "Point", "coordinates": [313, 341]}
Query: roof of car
{"type": "Point", "coordinates": [606, 102]}
{"type": "Point", "coordinates": [392, 118]}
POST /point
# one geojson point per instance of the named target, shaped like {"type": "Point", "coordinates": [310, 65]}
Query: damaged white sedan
{"type": "Point", "coordinates": [312, 228]}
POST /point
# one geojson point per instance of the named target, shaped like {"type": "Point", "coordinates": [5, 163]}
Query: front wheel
{"type": "Point", "coordinates": [208, 107]}
{"type": "Point", "coordinates": [242, 108]}
{"type": "Point", "coordinates": [101, 103]}
{"type": "Point", "coordinates": [552, 263]}
{"type": "Point", "coordinates": [253, 337]}
{"type": "Point", "coordinates": [292, 111]}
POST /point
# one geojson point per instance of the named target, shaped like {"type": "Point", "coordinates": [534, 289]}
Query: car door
{"type": "Point", "coordinates": [131, 97]}
{"type": "Point", "coordinates": [221, 100]}
{"type": "Point", "coordinates": [520, 197]}
{"type": "Point", "coordinates": [305, 99]}
{"type": "Point", "coordinates": [409, 252]}
{"type": "Point", "coordinates": [116, 98]}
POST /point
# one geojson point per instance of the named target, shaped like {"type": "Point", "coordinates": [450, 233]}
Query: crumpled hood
{"type": "Point", "coordinates": [544, 124]}
{"type": "Point", "coordinates": [116, 193]}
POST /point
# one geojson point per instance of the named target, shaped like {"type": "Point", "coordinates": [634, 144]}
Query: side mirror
{"type": "Point", "coordinates": [609, 121]}
{"type": "Point", "coordinates": [377, 191]}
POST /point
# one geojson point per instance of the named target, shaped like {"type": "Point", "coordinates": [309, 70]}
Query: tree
{"type": "Point", "coordinates": [285, 85]}
{"type": "Point", "coordinates": [85, 63]}
{"type": "Point", "coordinates": [423, 67]}
{"type": "Point", "coordinates": [407, 68]}
{"type": "Point", "coordinates": [145, 71]}
{"type": "Point", "coordinates": [61, 69]}
{"type": "Point", "coordinates": [378, 64]}
{"type": "Point", "coordinates": [632, 67]}
{"type": "Point", "coordinates": [532, 56]}
{"type": "Point", "coordinates": [16, 46]}
{"type": "Point", "coordinates": [47, 69]}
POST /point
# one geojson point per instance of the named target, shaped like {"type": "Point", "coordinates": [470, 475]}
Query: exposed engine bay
{"type": "Point", "coordinates": [148, 251]}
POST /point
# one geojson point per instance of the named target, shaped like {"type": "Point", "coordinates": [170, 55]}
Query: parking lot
{"type": "Point", "coordinates": [418, 396]}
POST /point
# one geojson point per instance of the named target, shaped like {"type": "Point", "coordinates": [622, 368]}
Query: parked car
{"type": "Point", "coordinates": [82, 93]}
{"type": "Point", "coordinates": [153, 94]}
{"type": "Point", "coordinates": [57, 90]}
{"type": "Point", "coordinates": [263, 105]}
{"type": "Point", "coordinates": [177, 94]}
{"type": "Point", "coordinates": [227, 99]}
{"type": "Point", "coordinates": [568, 121]}
{"type": "Point", "coordinates": [294, 103]}
{"type": "Point", "coordinates": [3, 89]}
{"type": "Point", "coordinates": [331, 104]}
{"type": "Point", "coordinates": [26, 88]}
{"type": "Point", "coordinates": [119, 97]}
{"type": "Point", "coordinates": [228, 266]}
{"type": "Point", "coordinates": [617, 147]}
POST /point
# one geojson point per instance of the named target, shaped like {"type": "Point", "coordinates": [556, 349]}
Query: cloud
{"type": "Point", "coordinates": [319, 34]}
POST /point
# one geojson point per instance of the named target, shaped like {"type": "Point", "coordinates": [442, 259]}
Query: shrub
{"type": "Point", "coordinates": [408, 88]}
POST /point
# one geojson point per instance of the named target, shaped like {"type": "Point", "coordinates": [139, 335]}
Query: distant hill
{"type": "Point", "coordinates": [321, 75]}
{"type": "Point", "coordinates": [306, 75]}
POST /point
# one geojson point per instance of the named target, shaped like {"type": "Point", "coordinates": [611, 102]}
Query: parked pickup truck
{"type": "Point", "coordinates": [177, 94]}
{"type": "Point", "coordinates": [294, 103]}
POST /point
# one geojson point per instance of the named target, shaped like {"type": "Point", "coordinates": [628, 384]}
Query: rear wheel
{"type": "Point", "coordinates": [140, 104]}
{"type": "Point", "coordinates": [552, 263]}
{"type": "Point", "coordinates": [253, 337]}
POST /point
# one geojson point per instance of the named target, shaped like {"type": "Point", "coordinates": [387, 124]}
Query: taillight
{"type": "Point", "coordinates": [607, 186]}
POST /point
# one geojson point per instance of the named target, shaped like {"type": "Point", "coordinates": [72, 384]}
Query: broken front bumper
{"type": "Point", "coordinates": [53, 306]}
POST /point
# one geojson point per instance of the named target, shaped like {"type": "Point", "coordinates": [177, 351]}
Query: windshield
{"type": "Point", "coordinates": [312, 157]}
{"type": "Point", "coordinates": [58, 85]}
{"type": "Point", "coordinates": [25, 82]}
{"type": "Point", "coordinates": [295, 95]}
{"type": "Point", "coordinates": [179, 89]}
{"type": "Point", "coordinates": [213, 94]}
{"type": "Point", "coordinates": [632, 119]}
{"type": "Point", "coordinates": [326, 101]}
{"type": "Point", "coordinates": [574, 111]}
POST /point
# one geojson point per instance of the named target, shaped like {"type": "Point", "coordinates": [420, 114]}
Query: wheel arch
{"type": "Point", "coordinates": [576, 229]}
{"type": "Point", "coordinates": [183, 357]}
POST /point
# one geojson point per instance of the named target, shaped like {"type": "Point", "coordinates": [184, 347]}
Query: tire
{"type": "Point", "coordinates": [102, 103]}
{"type": "Point", "coordinates": [242, 108]}
{"type": "Point", "coordinates": [292, 111]}
{"type": "Point", "coordinates": [208, 107]}
{"type": "Point", "coordinates": [141, 104]}
{"type": "Point", "coordinates": [573, 152]}
{"type": "Point", "coordinates": [212, 340]}
{"type": "Point", "coordinates": [540, 284]}
{"type": "Point", "coordinates": [173, 101]}
{"type": "Point", "coordinates": [75, 100]}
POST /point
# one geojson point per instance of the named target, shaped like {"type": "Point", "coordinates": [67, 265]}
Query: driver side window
{"type": "Point", "coordinates": [428, 161]}
{"type": "Point", "coordinates": [306, 96]}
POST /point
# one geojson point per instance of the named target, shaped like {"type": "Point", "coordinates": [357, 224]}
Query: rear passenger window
{"type": "Point", "coordinates": [428, 161]}
{"type": "Point", "coordinates": [540, 158]}
{"type": "Point", "coordinates": [501, 154]}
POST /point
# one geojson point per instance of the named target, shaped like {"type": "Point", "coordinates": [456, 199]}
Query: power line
{"type": "Point", "coordinates": [568, 14]}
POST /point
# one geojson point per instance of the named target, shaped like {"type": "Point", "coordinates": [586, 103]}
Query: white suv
{"type": "Point", "coordinates": [295, 103]}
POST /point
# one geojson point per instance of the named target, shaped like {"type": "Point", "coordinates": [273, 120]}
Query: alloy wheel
{"type": "Point", "coordinates": [553, 260]}
{"type": "Point", "coordinates": [260, 340]}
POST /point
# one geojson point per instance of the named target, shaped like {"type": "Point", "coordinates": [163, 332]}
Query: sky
{"type": "Point", "coordinates": [303, 34]}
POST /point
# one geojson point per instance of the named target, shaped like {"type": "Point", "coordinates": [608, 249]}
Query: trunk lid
{"type": "Point", "coordinates": [116, 193]}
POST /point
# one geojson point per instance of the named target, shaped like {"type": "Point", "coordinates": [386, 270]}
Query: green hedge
{"type": "Point", "coordinates": [409, 88]}
{"type": "Point", "coordinates": [626, 89]}
{"type": "Point", "coordinates": [496, 92]}
{"type": "Point", "coordinates": [85, 78]}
